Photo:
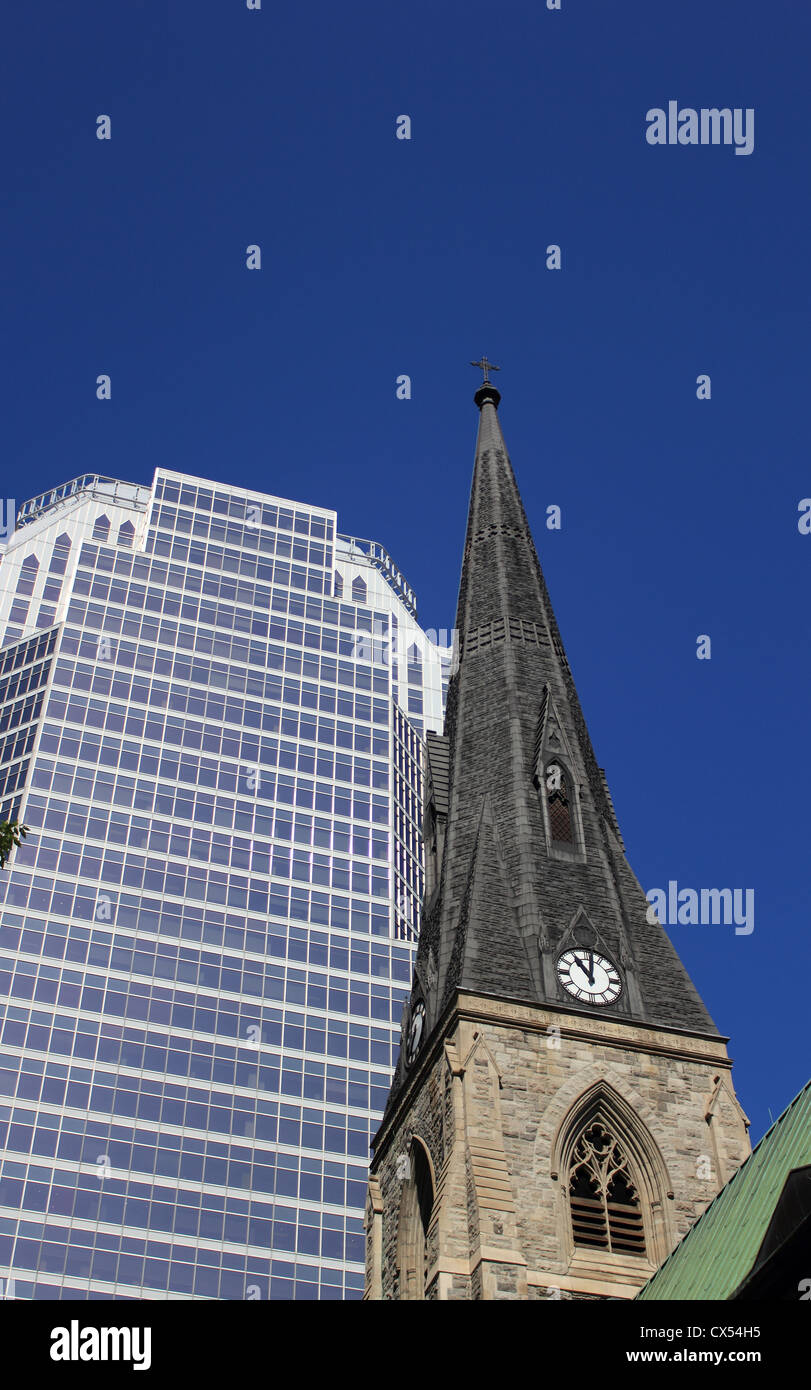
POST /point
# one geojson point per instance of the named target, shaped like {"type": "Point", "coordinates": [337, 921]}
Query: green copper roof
{"type": "Point", "coordinates": [719, 1250]}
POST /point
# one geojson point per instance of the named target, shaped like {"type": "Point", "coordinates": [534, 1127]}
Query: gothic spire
{"type": "Point", "coordinates": [526, 860]}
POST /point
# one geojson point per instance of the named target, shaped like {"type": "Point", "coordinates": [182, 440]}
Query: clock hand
{"type": "Point", "coordinates": [589, 974]}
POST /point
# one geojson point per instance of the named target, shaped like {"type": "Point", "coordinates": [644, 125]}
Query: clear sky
{"type": "Point", "coordinates": [383, 257]}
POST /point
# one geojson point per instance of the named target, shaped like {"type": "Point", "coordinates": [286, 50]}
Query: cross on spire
{"type": "Point", "coordinates": [486, 367]}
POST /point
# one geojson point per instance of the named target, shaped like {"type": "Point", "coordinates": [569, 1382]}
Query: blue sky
{"type": "Point", "coordinates": [382, 257]}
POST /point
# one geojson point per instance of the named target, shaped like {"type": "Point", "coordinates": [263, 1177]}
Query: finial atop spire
{"type": "Point", "coordinates": [487, 391]}
{"type": "Point", "coordinates": [486, 367]}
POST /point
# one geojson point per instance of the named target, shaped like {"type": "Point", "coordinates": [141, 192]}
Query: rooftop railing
{"type": "Point", "coordinates": [375, 554]}
{"type": "Point", "coordinates": [112, 489]}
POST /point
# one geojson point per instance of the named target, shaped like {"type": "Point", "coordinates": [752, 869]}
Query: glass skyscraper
{"type": "Point", "coordinates": [211, 717]}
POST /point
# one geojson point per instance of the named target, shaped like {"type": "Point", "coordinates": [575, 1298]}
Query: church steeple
{"type": "Point", "coordinates": [533, 927]}
{"type": "Point", "coordinates": [533, 859]}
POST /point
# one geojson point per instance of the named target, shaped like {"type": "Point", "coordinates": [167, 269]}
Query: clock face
{"type": "Point", "coordinates": [415, 1032]}
{"type": "Point", "coordinates": [591, 978]}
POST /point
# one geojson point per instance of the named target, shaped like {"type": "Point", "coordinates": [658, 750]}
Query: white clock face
{"type": "Point", "coordinates": [415, 1032]}
{"type": "Point", "coordinates": [591, 978]}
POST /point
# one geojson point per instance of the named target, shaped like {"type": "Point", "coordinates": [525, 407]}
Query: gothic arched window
{"type": "Point", "coordinates": [101, 530]}
{"type": "Point", "coordinates": [415, 1217]}
{"type": "Point", "coordinates": [28, 575]}
{"type": "Point", "coordinates": [126, 533]}
{"type": "Point", "coordinates": [338, 589]}
{"type": "Point", "coordinates": [558, 800]}
{"type": "Point", "coordinates": [605, 1208]}
{"type": "Point", "coordinates": [358, 590]}
{"type": "Point", "coordinates": [414, 668]}
{"type": "Point", "coordinates": [59, 559]}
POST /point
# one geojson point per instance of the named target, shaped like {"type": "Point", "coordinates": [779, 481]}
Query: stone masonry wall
{"type": "Point", "coordinates": [490, 1110]}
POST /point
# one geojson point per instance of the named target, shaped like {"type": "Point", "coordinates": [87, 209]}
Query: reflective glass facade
{"type": "Point", "coordinates": [211, 717]}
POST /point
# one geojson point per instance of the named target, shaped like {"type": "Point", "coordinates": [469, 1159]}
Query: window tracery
{"type": "Point", "coordinates": [605, 1208]}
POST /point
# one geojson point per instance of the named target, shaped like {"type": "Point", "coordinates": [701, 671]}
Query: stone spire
{"type": "Point", "coordinates": [525, 857]}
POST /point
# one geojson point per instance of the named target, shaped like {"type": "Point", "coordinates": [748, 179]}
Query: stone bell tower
{"type": "Point", "coordinates": [562, 1109]}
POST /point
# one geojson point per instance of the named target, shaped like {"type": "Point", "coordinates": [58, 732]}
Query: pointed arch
{"type": "Point", "coordinates": [61, 552]}
{"type": "Point", "coordinates": [559, 795]}
{"type": "Point", "coordinates": [558, 788]}
{"type": "Point", "coordinates": [604, 1202]}
{"type": "Point", "coordinates": [358, 590]}
{"type": "Point", "coordinates": [416, 1211]}
{"type": "Point", "coordinates": [126, 533]}
{"type": "Point", "coordinates": [414, 670]}
{"type": "Point", "coordinates": [559, 804]}
{"type": "Point", "coordinates": [338, 585]}
{"type": "Point", "coordinates": [101, 530]}
{"type": "Point", "coordinates": [28, 575]}
{"type": "Point", "coordinates": [613, 1180]}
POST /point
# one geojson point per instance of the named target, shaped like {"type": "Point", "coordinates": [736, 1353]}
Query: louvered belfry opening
{"type": "Point", "coordinates": [560, 815]}
{"type": "Point", "coordinates": [605, 1207]}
